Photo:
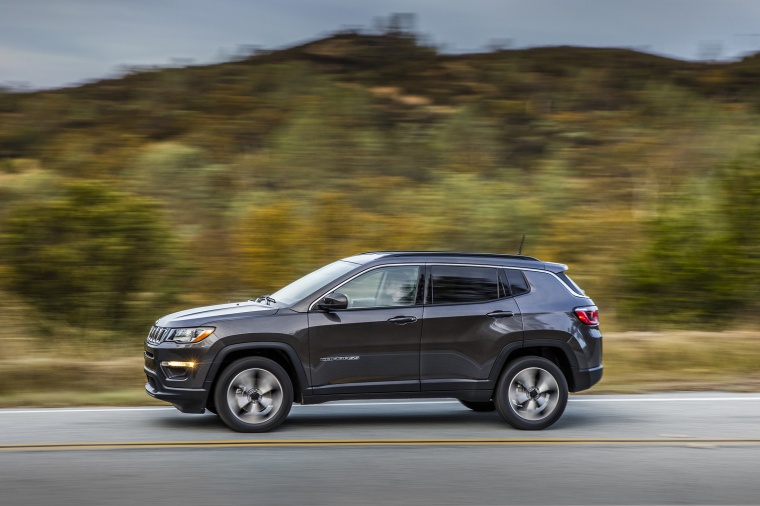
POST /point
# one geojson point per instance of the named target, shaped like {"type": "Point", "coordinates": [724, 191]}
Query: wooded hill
{"type": "Point", "coordinates": [123, 199]}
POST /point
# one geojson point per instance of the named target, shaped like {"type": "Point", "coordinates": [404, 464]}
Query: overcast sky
{"type": "Point", "coordinates": [52, 43]}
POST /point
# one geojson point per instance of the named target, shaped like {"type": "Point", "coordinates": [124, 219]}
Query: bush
{"type": "Point", "coordinates": [83, 257]}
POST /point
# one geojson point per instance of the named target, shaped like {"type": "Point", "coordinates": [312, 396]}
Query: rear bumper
{"type": "Point", "coordinates": [583, 379]}
{"type": "Point", "coordinates": [187, 400]}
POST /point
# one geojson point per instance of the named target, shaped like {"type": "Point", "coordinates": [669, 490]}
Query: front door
{"type": "Point", "coordinates": [373, 346]}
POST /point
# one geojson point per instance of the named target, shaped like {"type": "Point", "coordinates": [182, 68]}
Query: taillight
{"type": "Point", "coordinates": [588, 315]}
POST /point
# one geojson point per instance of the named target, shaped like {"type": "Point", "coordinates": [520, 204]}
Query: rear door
{"type": "Point", "coordinates": [469, 317]}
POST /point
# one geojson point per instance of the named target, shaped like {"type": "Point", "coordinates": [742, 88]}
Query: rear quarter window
{"type": "Point", "coordinates": [570, 283]}
{"type": "Point", "coordinates": [548, 294]}
{"type": "Point", "coordinates": [518, 285]}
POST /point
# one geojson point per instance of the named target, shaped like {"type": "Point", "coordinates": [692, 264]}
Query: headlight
{"type": "Point", "coordinates": [191, 335]}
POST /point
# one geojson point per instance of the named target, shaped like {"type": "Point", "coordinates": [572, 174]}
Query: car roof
{"type": "Point", "coordinates": [457, 257]}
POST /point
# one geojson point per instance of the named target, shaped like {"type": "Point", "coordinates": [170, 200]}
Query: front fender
{"type": "Point", "coordinates": [254, 347]}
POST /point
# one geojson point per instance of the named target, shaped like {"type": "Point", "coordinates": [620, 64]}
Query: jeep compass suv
{"type": "Point", "coordinates": [503, 332]}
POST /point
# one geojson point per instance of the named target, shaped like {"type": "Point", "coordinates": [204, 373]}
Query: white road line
{"type": "Point", "coordinates": [77, 410]}
{"type": "Point", "coordinates": [390, 403]}
{"type": "Point", "coordinates": [666, 399]}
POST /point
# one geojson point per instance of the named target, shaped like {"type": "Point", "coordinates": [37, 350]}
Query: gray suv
{"type": "Point", "coordinates": [498, 332]}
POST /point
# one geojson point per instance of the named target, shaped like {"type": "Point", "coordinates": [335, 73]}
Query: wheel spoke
{"type": "Point", "coordinates": [536, 375]}
{"type": "Point", "coordinates": [245, 381]}
{"type": "Point", "coordinates": [520, 397]}
{"type": "Point", "coordinates": [525, 379]}
{"type": "Point", "coordinates": [246, 408]}
{"type": "Point", "coordinates": [546, 384]}
{"type": "Point", "coordinates": [266, 387]}
{"type": "Point", "coordinates": [261, 406]}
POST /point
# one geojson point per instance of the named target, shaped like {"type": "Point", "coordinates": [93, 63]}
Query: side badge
{"type": "Point", "coordinates": [335, 359]}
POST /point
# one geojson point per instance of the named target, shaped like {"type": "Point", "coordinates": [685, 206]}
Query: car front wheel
{"type": "Point", "coordinates": [253, 395]}
{"type": "Point", "coordinates": [531, 393]}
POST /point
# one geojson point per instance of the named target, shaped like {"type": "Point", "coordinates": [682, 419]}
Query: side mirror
{"type": "Point", "coordinates": [333, 301]}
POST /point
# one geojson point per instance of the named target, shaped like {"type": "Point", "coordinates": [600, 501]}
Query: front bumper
{"type": "Point", "coordinates": [182, 387]}
{"type": "Point", "coordinates": [187, 400]}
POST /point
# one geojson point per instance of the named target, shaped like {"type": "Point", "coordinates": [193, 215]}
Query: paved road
{"type": "Point", "coordinates": [678, 448]}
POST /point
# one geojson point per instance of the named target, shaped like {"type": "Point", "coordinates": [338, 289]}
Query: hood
{"type": "Point", "coordinates": [208, 314]}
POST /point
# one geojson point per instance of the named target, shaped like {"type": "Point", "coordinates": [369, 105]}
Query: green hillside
{"type": "Point", "coordinates": [124, 199]}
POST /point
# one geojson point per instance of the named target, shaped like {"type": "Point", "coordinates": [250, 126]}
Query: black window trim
{"type": "Point", "coordinates": [426, 273]}
{"type": "Point", "coordinates": [570, 290]}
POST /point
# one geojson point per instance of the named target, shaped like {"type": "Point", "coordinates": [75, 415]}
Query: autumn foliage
{"type": "Point", "coordinates": [124, 199]}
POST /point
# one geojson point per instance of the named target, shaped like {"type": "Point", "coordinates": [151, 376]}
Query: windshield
{"type": "Point", "coordinates": [300, 288]}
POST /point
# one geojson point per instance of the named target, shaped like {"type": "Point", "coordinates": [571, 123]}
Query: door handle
{"type": "Point", "coordinates": [500, 314]}
{"type": "Point", "coordinates": [402, 320]}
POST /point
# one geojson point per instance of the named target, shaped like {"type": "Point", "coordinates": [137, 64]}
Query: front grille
{"type": "Point", "coordinates": [158, 334]}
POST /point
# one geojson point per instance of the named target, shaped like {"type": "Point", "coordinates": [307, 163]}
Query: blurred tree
{"type": "Point", "coordinates": [269, 241]}
{"type": "Point", "coordinates": [739, 192]}
{"type": "Point", "coordinates": [702, 255]}
{"type": "Point", "coordinates": [83, 257]}
{"type": "Point", "coordinates": [682, 276]}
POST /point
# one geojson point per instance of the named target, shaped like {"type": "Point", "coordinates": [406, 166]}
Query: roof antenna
{"type": "Point", "coordinates": [519, 252]}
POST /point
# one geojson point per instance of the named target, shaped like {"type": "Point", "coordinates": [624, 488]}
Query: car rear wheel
{"type": "Point", "coordinates": [253, 395]}
{"type": "Point", "coordinates": [531, 393]}
{"type": "Point", "coordinates": [479, 406]}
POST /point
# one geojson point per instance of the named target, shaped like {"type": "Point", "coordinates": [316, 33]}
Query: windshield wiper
{"type": "Point", "coordinates": [266, 298]}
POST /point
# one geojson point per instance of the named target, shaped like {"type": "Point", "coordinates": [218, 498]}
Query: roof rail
{"type": "Point", "coordinates": [451, 253]}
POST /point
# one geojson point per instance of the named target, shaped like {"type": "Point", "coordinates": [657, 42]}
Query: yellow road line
{"type": "Point", "coordinates": [304, 443]}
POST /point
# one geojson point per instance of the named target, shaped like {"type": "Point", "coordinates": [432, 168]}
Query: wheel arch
{"type": "Point", "coordinates": [280, 353]}
{"type": "Point", "coordinates": [557, 352]}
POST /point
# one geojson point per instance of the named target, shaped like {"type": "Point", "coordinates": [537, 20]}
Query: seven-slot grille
{"type": "Point", "coordinates": [158, 334]}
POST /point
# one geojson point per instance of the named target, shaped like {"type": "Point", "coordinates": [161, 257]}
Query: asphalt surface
{"type": "Point", "coordinates": [676, 448]}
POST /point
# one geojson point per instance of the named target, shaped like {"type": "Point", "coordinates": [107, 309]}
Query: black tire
{"type": "Point", "coordinates": [253, 395]}
{"type": "Point", "coordinates": [531, 394]}
{"type": "Point", "coordinates": [480, 406]}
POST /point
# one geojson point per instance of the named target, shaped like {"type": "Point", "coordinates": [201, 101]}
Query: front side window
{"type": "Point", "coordinates": [383, 287]}
{"type": "Point", "coordinates": [458, 284]}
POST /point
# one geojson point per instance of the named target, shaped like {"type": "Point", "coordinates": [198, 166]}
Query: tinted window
{"type": "Point", "coordinates": [452, 284]}
{"type": "Point", "coordinates": [517, 283]}
{"type": "Point", "coordinates": [383, 287]}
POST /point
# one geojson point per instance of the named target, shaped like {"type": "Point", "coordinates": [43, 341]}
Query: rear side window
{"type": "Point", "coordinates": [517, 283]}
{"type": "Point", "coordinates": [455, 284]}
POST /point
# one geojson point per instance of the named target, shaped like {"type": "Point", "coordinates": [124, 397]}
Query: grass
{"type": "Point", "coordinates": [647, 362]}
{"type": "Point", "coordinates": [35, 374]}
